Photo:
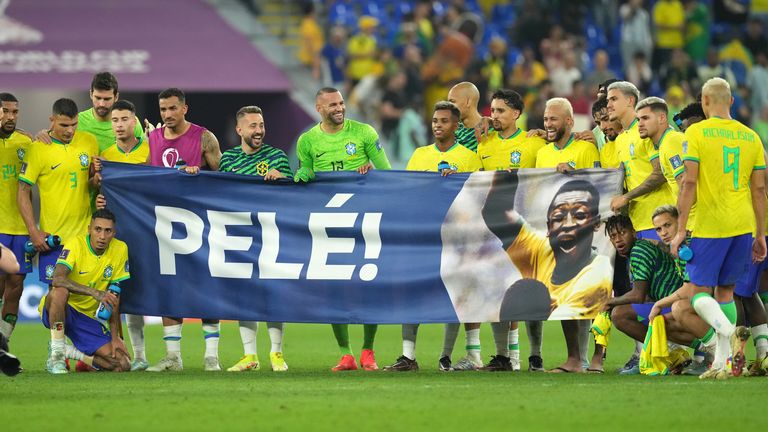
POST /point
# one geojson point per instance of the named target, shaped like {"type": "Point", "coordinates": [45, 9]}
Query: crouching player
{"type": "Point", "coordinates": [654, 276]}
{"type": "Point", "coordinates": [87, 266]}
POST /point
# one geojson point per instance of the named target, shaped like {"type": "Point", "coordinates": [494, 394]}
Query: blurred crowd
{"type": "Point", "coordinates": [395, 59]}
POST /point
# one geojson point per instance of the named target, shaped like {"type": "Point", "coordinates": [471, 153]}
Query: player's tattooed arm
{"type": "Point", "coordinates": [650, 184]}
{"type": "Point", "coordinates": [635, 295]}
{"type": "Point", "coordinates": [61, 279]}
{"type": "Point", "coordinates": [211, 150]}
{"type": "Point", "coordinates": [498, 211]}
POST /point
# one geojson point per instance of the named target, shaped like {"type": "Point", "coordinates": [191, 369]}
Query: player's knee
{"type": "Point", "coordinates": [620, 315]}
{"type": "Point", "coordinates": [58, 296]}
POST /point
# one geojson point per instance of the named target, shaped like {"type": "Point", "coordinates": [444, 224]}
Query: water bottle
{"type": "Point", "coordinates": [443, 165]}
{"type": "Point", "coordinates": [179, 163]}
{"type": "Point", "coordinates": [105, 311]}
{"type": "Point", "coordinates": [685, 253]}
{"type": "Point", "coordinates": [52, 241]}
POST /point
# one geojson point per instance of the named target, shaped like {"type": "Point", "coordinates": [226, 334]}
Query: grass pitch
{"type": "Point", "coordinates": [309, 397]}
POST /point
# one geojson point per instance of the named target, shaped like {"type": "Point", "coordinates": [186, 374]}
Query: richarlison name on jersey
{"type": "Point", "coordinates": [728, 134]}
{"type": "Point", "coordinates": [170, 246]}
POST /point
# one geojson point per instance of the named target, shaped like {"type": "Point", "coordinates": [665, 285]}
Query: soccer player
{"type": "Point", "coordinates": [652, 123]}
{"type": "Point", "coordinates": [129, 148]}
{"type": "Point", "coordinates": [61, 172]}
{"type": "Point", "coordinates": [644, 181]}
{"type": "Point", "coordinates": [340, 144]}
{"type": "Point", "coordinates": [446, 156]}
{"type": "Point", "coordinates": [254, 157]}
{"type": "Point", "coordinates": [505, 147]}
{"type": "Point", "coordinates": [561, 258]}
{"type": "Point", "coordinates": [654, 276]}
{"type": "Point", "coordinates": [13, 232]}
{"type": "Point", "coordinates": [96, 120]}
{"type": "Point", "coordinates": [724, 175]}
{"type": "Point", "coordinates": [184, 144]}
{"type": "Point", "coordinates": [566, 153]}
{"type": "Point", "coordinates": [466, 97]}
{"type": "Point", "coordinates": [609, 130]}
{"type": "Point", "coordinates": [689, 115]}
{"type": "Point", "coordinates": [88, 266]}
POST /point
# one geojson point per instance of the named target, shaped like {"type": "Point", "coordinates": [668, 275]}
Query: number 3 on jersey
{"type": "Point", "coordinates": [337, 165]}
{"type": "Point", "coordinates": [731, 164]}
{"type": "Point", "coordinates": [73, 180]}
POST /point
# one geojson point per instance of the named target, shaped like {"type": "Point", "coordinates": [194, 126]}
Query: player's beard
{"type": "Point", "coordinates": [9, 128]}
{"type": "Point", "coordinates": [558, 134]}
{"type": "Point", "coordinates": [251, 144]}
{"type": "Point", "coordinates": [102, 111]}
{"type": "Point", "coordinates": [332, 117]}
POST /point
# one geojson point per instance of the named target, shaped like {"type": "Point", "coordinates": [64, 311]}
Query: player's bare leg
{"type": "Point", "coordinates": [14, 285]}
{"type": "Point", "coordinates": [624, 318]}
{"type": "Point", "coordinates": [55, 304]}
{"type": "Point", "coordinates": [104, 360]}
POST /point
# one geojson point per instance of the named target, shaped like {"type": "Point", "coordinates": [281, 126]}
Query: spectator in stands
{"type": "Point", "coordinates": [697, 27]}
{"type": "Point", "coordinates": [565, 74]}
{"type": "Point", "coordinates": [676, 100]}
{"type": "Point", "coordinates": [600, 71]}
{"type": "Point", "coordinates": [635, 32]}
{"type": "Point", "coordinates": [393, 103]}
{"type": "Point", "coordinates": [579, 100]}
{"type": "Point", "coordinates": [527, 74]}
{"type": "Point", "coordinates": [531, 25]}
{"type": "Point", "coordinates": [334, 58]}
{"type": "Point", "coordinates": [554, 48]}
{"type": "Point", "coordinates": [606, 16]}
{"type": "Point", "coordinates": [538, 98]}
{"type": "Point", "coordinates": [494, 66]}
{"type": "Point", "coordinates": [639, 72]}
{"type": "Point", "coordinates": [411, 64]}
{"type": "Point", "coordinates": [422, 17]}
{"type": "Point", "coordinates": [758, 83]}
{"type": "Point", "coordinates": [679, 71]}
{"type": "Point", "coordinates": [669, 21]}
{"type": "Point", "coordinates": [714, 68]}
{"type": "Point", "coordinates": [409, 35]}
{"type": "Point", "coordinates": [754, 38]}
{"type": "Point", "coordinates": [361, 50]}
{"type": "Point", "coordinates": [761, 126]}
{"type": "Point", "coordinates": [311, 40]}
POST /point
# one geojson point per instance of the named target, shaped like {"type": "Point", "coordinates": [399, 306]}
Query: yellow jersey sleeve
{"type": "Point", "coordinates": [589, 157]}
{"type": "Point", "coordinates": [32, 165]}
{"type": "Point", "coordinates": [608, 157]}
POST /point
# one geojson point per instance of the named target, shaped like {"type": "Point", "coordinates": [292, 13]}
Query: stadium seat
{"type": "Point", "coordinates": [503, 14]}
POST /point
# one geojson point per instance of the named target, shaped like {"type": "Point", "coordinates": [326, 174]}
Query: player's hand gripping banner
{"type": "Point", "coordinates": [386, 247]}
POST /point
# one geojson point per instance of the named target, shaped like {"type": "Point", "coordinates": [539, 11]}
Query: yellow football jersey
{"type": "Point", "coordinates": [137, 155]}
{"type": "Point", "coordinates": [636, 155]}
{"type": "Point", "coordinates": [61, 174]}
{"type": "Point", "coordinates": [671, 161]}
{"type": "Point", "coordinates": [576, 153]}
{"type": "Point", "coordinates": [459, 158]}
{"type": "Point", "coordinates": [12, 153]}
{"type": "Point", "coordinates": [608, 156]}
{"type": "Point", "coordinates": [727, 153]}
{"type": "Point", "coordinates": [581, 297]}
{"type": "Point", "coordinates": [517, 151]}
{"type": "Point", "coordinates": [95, 271]}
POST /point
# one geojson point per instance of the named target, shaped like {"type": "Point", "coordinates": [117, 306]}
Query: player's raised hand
{"type": "Point", "coordinates": [758, 250]}
{"type": "Point", "coordinates": [43, 137]}
{"type": "Point", "coordinates": [149, 127]}
{"type": "Point", "coordinates": [273, 175]}
{"type": "Point", "coordinates": [482, 128]}
{"type": "Point", "coordinates": [365, 168]}
{"type": "Point", "coordinates": [541, 133]}
{"type": "Point", "coordinates": [100, 202]}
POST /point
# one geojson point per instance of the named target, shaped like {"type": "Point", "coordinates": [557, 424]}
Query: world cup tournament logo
{"type": "Point", "coordinates": [170, 157]}
{"type": "Point", "coordinates": [13, 32]}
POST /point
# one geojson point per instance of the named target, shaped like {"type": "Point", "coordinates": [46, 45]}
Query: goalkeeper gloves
{"type": "Point", "coordinates": [304, 174]}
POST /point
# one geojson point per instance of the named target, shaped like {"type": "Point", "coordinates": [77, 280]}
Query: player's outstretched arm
{"type": "Point", "coordinates": [500, 201]}
{"type": "Point", "coordinates": [61, 279]}
{"type": "Point", "coordinates": [211, 150]}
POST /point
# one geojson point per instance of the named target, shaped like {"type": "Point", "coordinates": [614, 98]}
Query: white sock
{"type": "Point", "coordinates": [501, 337]}
{"type": "Point", "coordinates": [275, 330]}
{"type": "Point", "coordinates": [172, 338]}
{"type": "Point", "coordinates": [513, 342]}
{"type": "Point", "coordinates": [722, 350]}
{"type": "Point", "coordinates": [57, 338]}
{"type": "Point", "coordinates": [6, 329]}
{"type": "Point", "coordinates": [639, 348]}
{"type": "Point", "coordinates": [473, 343]}
{"type": "Point", "coordinates": [71, 352]}
{"type": "Point", "coordinates": [535, 330]}
{"type": "Point", "coordinates": [709, 310]}
{"type": "Point", "coordinates": [211, 334]}
{"type": "Point", "coordinates": [449, 339]}
{"type": "Point", "coordinates": [584, 326]}
{"type": "Point", "coordinates": [135, 324]}
{"type": "Point", "coordinates": [760, 336]}
{"type": "Point", "coordinates": [409, 340]}
{"type": "Point", "coordinates": [248, 331]}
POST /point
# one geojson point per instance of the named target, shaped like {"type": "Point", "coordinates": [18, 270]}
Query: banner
{"type": "Point", "coordinates": [385, 247]}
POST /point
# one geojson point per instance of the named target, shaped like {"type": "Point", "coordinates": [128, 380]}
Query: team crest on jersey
{"type": "Point", "coordinates": [108, 271]}
{"type": "Point", "coordinates": [84, 159]}
{"type": "Point", "coordinates": [675, 161]}
{"type": "Point", "coordinates": [262, 168]}
{"type": "Point", "coordinates": [351, 148]}
{"type": "Point", "coordinates": [49, 271]}
{"type": "Point", "coordinates": [20, 153]}
{"type": "Point", "coordinates": [632, 149]}
{"type": "Point", "coordinates": [515, 157]}
{"type": "Point", "coordinates": [685, 147]}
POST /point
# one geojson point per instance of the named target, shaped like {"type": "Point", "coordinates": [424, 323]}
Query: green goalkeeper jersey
{"type": "Point", "coordinates": [347, 150]}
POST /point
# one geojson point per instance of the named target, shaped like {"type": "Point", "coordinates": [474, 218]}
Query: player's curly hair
{"type": "Point", "coordinates": [618, 222]}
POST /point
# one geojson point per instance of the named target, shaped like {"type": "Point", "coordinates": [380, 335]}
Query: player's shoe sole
{"type": "Point", "coordinates": [738, 341]}
{"type": "Point", "coordinates": [246, 363]}
{"type": "Point", "coordinates": [347, 363]}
